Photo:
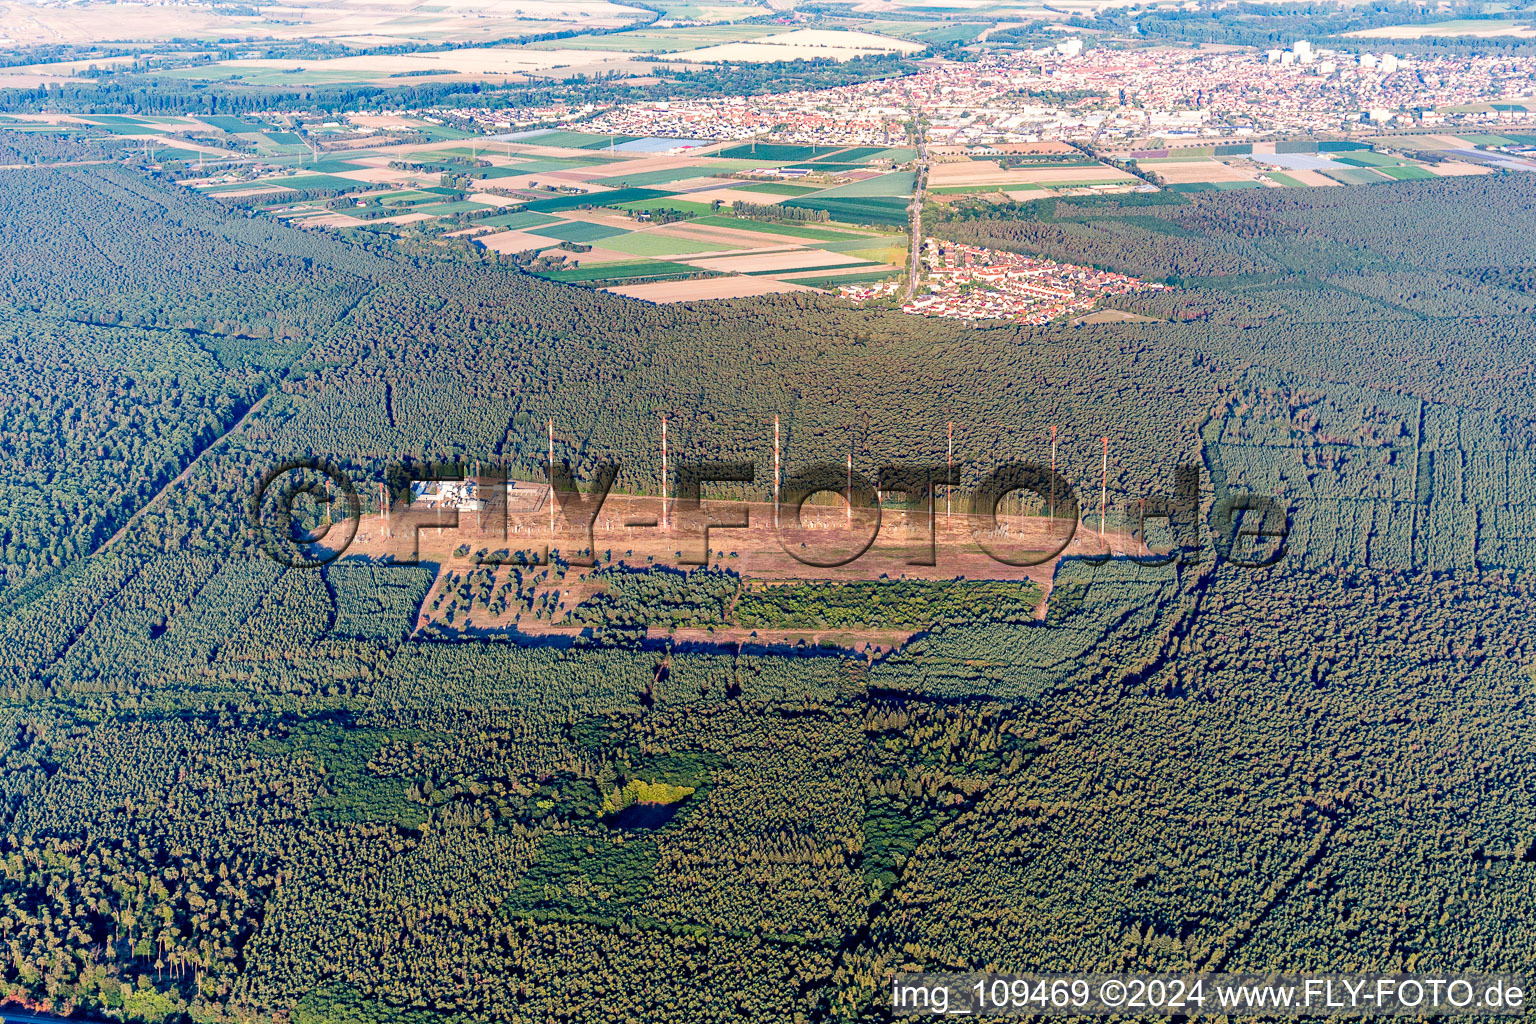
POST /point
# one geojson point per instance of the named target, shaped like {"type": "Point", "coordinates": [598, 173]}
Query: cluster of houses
{"type": "Point", "coordinates": [972, 283]}
{"type": "Point", "coordinates": [1110, 93]}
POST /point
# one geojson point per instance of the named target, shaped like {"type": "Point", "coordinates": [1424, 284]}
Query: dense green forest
{"type": "Point", "coordinates": [231, 790]}
{"type": "Point", "coordinates": [149, 93]}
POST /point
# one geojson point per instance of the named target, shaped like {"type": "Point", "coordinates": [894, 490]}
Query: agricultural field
{"type": "Point", "coordinates": [964, 176]}
{"type": "Point", "coordinates": [372, 22]}
{"type": "Point", "coordinates": [804, 44]}
{"type": "Point", "coordinates": [1300, 164]}
{"type": "Point", "coordinates": [662, 219]}
{"type": "Point", "coordinates": [488, 63]}
{"type": "Point", "coordinates": [1481, 28]}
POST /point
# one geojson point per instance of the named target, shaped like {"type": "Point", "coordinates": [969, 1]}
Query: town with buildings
{"type": "Point", "coordinates": [1105, 94]}
{"type": "Point", "coordinates": [970, 283]}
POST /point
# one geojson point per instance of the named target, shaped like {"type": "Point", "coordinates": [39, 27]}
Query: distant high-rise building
{"type": "Point", "coordinates": [1303, 51]}
{"type": "Point", "coordinates": [1389, 63]}
{"type": "Point", "coordinates": [1273, 56]}
{"type": "Point", "coordinates": [1368, 60]}
{"type": "Point", "coordinates": [1070, 47]}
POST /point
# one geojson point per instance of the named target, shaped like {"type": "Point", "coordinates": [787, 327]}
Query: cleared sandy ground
{"type": "Point", "coordinates": [759, 552]}
{"type": "Point", "coordinates": [709, 288]}
{"type": "Point", "coordinates": [1179, 172]}
{"type": "Point", "coordinates": [490, 199]}
{"type": "Point", "coordinates": [796, 259]}
{"type": "Point", "coordinates": [1114, 316]}
{"type": "Point", "coordinates": [1452, 168]}
{"type": "Point", "coordinates": [594, 256]}
{"type": "Point", "coordinates": [516, 241]}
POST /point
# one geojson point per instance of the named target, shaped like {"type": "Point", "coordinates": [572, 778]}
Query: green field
{"type": "Point", "coordinates": [865, 209]}
{"type": "Point", "coordinates": [830, 167]}
{"type": "Point", "coordinates": [694, 209]}
{"type": "Point", "coordinates": [896, 183]}
{"type": "Point", "coordinates": [647, 243]}
{"type": "Point", "coordinates": [539, 164]}
{"type": "Point", "coordinates": [1407, 172]}
{"type": "Point", "coordinates": [776, 152]}
{"type": "Point", "coordinates": [628, 270]}
{"type": "Point", "coordinates": [323, 182]}
{"type": "Point", "coordinates": [830, 266]}
{"type": "Point", "coordinates": [777, 188]}
{"type": "Point", "coordinates": [661, 177]}
{"type": "Point", "coordinates": [1286, 179]}
{"type": "Point", "coordinates": [616, 197]}
{"type": "Point", "coordinates": [816, 234]}
{"type": "Point", "coordinates": [452, 208]}
{"type": "Point", "coordinates": [518, 221]}
{"type": "Point", "coordinates": [576, 140]}
{"type": "Point", "coordinates": [225, 123]}
{"type": "Point", "coordinates": [1364, 158]}
{"type": "Point", "coordinates": [578, 231]}
{"type": "Point", "coordinates": [1354, 176]}
{"type": "Point", "coordinates": [833, 280]}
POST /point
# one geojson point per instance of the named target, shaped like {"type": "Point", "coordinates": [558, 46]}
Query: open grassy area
{"type": "Point", "coordinates": [563, 163]}
{"type": "Point", "coordinates": [775, 228]}
{"type": "Point", "coordinates": [518, 221]}
{"type": "Point", "coordinates": [662, 176]}
{"type": "Point", "coordinates": [613, 198]}
{"type": "Point", "coordinates": [833, 280]}
{"type": "Point", "coordinates": [1365, 158]}
{"type": "Point", "coordinates": [1286, 179]}
{"type": "Point", "coordinates": [647, 243]}
{"type": "Point", "coordinates": [1407, 172]}
{"type": "Point", "coordinates": [896, 183]}
{"type": "Point", "coordinates": [578, 231]}
{"type": "Point", "coordinates": [628, 270]}
{"type": "Point", "coordinates": [325, 182]}
{"type": "Point", "coordinates": [880, 210]}
{"type": "Point", "coordinates": [1355, 176]}
{"type": "Point", "coordinates": [777, 152]}
{"type": "Point", "coordinates": [693, 209]}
